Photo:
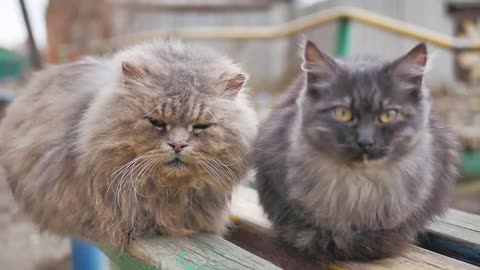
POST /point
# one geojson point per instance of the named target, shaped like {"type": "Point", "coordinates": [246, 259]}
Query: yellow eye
{"type": "Point", "coordinates": [343, 114]}
{"type": "Point", "coordinates": [388, 116]}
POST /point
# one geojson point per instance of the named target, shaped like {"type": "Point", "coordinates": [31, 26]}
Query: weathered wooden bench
{"type": "Point", "coordinates": [452, 243]}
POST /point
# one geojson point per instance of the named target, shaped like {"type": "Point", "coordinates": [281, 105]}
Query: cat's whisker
{"type": "Point", "coordinates": [229, 170]}
{"type": "Point", "coordinates": [212, 174]}
{"type": "Point", "coordinates": [123, 181]}
{"type": "Point", "coordinates": [222, 172]}
{"type": "Point", "coordinates": [242, 159]}
{"type": "Point", "coordinates": [234, 162]}
{"type": "Point", "coordinates": [134, 176]}
{"type": "Point", "coordinates": [116, 173]}
{"type": "Point", "coordinates": [126, 164]}
{"type": "Point", "coordinates": [207, 159]}
{"type": "Point", "coordinates": [148, 175]}
{"type": "Point", "coordinates": [119, 170]}
{"type": "Point", "coordinates": [147, 169]}
{"type": "Point", "coordinates": [219, 162]}
{"type": "Point", "coordinates": [120, 174]}
{"type": "Point", "coordinates": [128, 170]}
{"type": "Point", "coordinates": [215, 172]}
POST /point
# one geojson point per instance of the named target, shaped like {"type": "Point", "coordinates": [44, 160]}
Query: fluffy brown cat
{"type": "Point", "coordinates": [150, 140]}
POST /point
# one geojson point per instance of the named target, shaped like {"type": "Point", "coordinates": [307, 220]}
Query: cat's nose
{"type": "Point", "coordinates": [177, 147]}
{"type": "Point", "coordinates": [365, 136]}
{"type": "Point", "coordinates": [365, 143]}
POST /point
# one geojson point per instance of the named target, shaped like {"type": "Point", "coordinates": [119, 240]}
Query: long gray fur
{"type": "Point", "coordinates": [321, 197]}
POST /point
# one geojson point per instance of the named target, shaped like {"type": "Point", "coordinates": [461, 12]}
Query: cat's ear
{"type": "Point", "coordinates": [234, 84]}
{"type": "Point", "coordinates": [317, 64]}
{"type": "Point", "coordinates": [132, 72]}
{"type": "Point", "coordinates": [410, 68]}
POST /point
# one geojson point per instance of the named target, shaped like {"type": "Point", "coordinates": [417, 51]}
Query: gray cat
{"type": "Point", "coordinates": [352, 164]}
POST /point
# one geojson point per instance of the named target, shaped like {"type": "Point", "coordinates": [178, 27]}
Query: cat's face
{"type": "Point", "coordinates": [358, 111]}
{"type": "Point", "coordinates": [184, 127]}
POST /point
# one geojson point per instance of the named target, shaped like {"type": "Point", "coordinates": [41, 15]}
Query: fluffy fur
{"type": "Point", "coordinates": [324, 190]}
{"type": "Point", "coordinates": [90, 149]}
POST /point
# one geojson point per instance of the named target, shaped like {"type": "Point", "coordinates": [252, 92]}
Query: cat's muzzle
{"type": "Point", "coordinates": [176, 163]}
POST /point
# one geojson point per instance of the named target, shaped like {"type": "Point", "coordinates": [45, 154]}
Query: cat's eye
{"type": "Point", "coordinates": [201, 126]}
{"type": "Point", "coordinates": [388, 116]}
{"type": "Point", "coordinates": [156, 122]}
{"type": "Point", "coordinates": [343, 114]}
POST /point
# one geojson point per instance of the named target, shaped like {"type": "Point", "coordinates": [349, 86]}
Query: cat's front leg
{"type": "Point", "coordinates": [214, 221]}
{"type": "Point", "coordinates": [210, 213]}
{"type": "Point", "coordinates": [222, 223]}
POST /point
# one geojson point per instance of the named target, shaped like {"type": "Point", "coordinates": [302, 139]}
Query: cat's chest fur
{"type": "Point", "coordinates": [179, 211]}
{"type": "Point", "coordinates": [340, 198]}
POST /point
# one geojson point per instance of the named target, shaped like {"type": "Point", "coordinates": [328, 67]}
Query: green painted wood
{"type": "Point", "coordinates": [124, 260]}
{"type": "Point", "coordinates": [199, 252]}
{"type": "Point", "coordinates": [343, 37]}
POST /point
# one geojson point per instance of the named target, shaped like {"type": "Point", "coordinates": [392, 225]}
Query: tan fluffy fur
{"type": "Point", "coordinates": [82, 159]}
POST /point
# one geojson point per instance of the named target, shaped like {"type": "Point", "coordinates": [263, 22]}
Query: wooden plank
{"type": "Point", "coordinates": [200, 252]}
{"type": "Point", "coordinates": [456, 235]}
{"type": "Point", "coordinates": [253, 235]}
{"type": "Point", "coordinates": [460, 226]}
{"type": "Point", "coordinates": [416, 258]}
{"type": "Point", "coordinates": [264, 244]}
{"type": "Point", "coordinates": [245, 207]}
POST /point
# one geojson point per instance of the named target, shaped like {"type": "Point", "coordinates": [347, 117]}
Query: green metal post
{"type": "Point", "coordinates": [343, 37]}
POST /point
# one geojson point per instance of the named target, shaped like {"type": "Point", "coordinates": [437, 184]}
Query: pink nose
{"type": "Point", "coordinates": [177, 147]}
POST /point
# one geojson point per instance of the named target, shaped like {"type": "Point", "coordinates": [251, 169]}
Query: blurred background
{"type": "Point", "coordinates": [47, 32]}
